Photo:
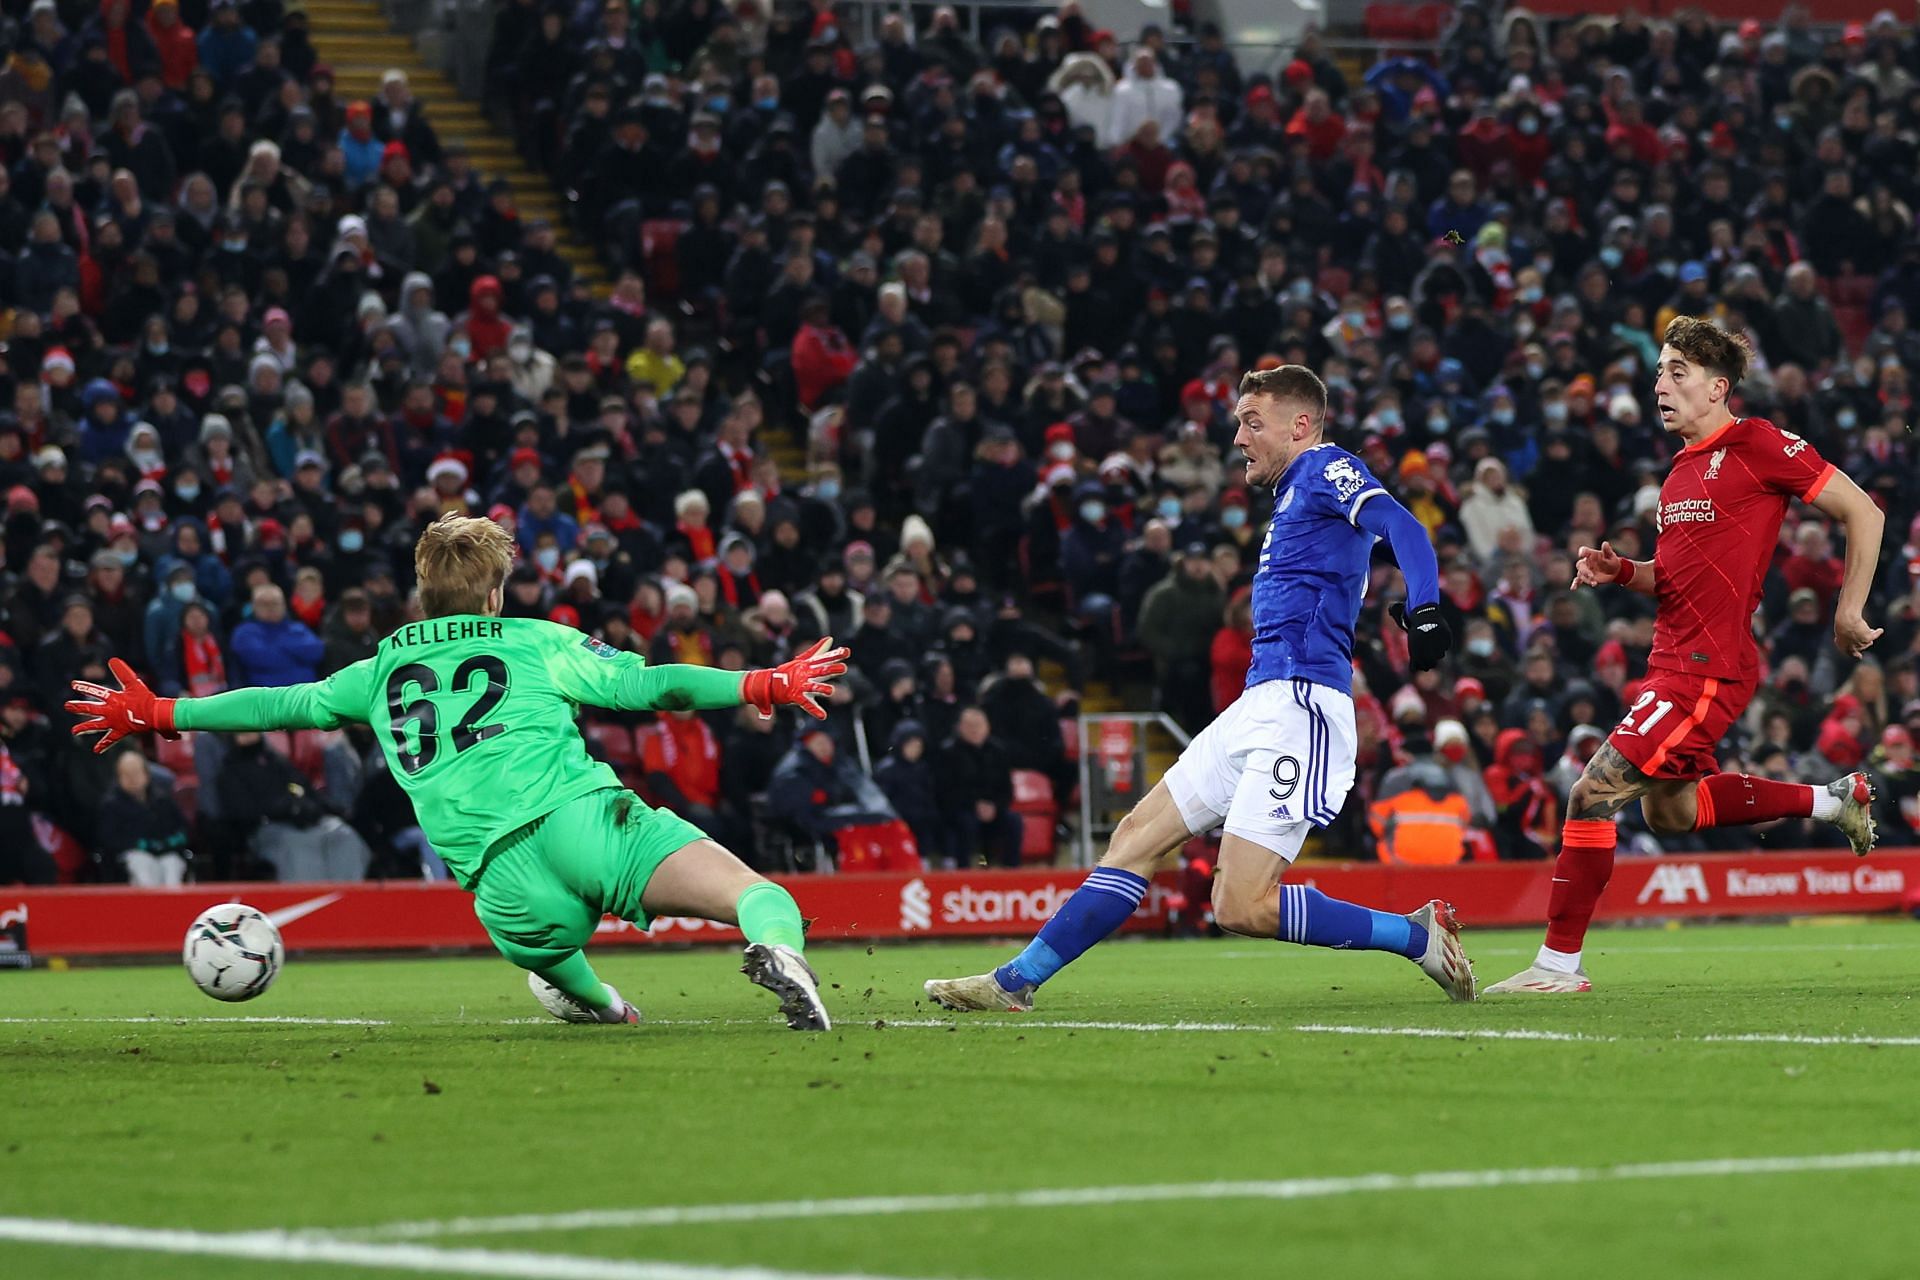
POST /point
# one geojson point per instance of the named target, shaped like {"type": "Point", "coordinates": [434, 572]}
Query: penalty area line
{"type": "Point", "coordinates": [285, 1247]}
{"type": "Point", "coordinates": [1068, 1197]}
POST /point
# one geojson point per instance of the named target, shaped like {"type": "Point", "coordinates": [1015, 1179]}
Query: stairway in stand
{"type": "Point", "coordinates": [355, 39]}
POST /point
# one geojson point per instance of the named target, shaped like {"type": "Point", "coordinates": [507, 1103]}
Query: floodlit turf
{"type": "Point", "coordinates": [457, 1106]}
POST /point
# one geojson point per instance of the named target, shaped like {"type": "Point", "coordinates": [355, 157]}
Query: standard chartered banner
{"type": "Point", "coordinates": [114, 920]}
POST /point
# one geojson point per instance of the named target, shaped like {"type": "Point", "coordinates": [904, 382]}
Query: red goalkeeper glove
{"type": "Point", "coordinates": [115, 713]}
{"type": "Point", "coordinates": [796, 682]}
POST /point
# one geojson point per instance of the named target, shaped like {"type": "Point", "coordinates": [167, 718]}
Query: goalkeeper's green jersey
{"type": "Point", "coordinates": [476, 718]}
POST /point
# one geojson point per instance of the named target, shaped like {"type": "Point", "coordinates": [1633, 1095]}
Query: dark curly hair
{"type": "Point", "coordinates": [1704, 343]}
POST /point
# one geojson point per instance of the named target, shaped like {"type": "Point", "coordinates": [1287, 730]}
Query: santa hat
{"type": "Point", "coordinates": [447, 465]}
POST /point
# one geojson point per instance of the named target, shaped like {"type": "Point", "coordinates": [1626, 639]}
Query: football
{"type": "Point", "coordinates": [233, 952]}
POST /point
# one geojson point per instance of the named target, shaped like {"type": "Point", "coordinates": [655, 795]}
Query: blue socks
{"type": "Point", "coordinates": [1108, 896]}
{"type": "Point", "coordinates": [1099, 906]}
{"type": "Point", "coordinates": [1310, 917]}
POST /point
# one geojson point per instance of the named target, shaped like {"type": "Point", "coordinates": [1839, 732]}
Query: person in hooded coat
{"type": "Point", "coordinates": [105, 428]}
{"type": "Point", "coordinates": [422, 329]}
{"type": "Point", "coordinates": [905, 776]}
{"type": "Point", "coordinates": [487, 329]}
{"type": "Point", "coordinates": [1528, 813]}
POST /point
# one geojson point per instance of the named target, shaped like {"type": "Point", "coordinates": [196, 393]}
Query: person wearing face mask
{"type": "Point", "coordinates": [1483, 659]}
{"type": "Point", "coordinates": [1090, 552]}
{"type": "Point", "coordinates": [1236, 523]}
{"type": "Point", "coordinates": [1453, 751]}
{"type": "Point", "coordinates": [1418, 815]}
{"type": "Point", "coordinates": [160, 629]}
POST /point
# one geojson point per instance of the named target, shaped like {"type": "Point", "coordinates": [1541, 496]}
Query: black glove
{"type": "Point", "coordinates": [1428, 636]}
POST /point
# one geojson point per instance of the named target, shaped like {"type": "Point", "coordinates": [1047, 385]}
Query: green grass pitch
{"type": "Point", "coordinates": [1401, 1136]}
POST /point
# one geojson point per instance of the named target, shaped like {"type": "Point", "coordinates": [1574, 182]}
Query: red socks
{"type": "Point", "coordinates": [1579, 877]}
{"type": "Point", "coordinates": [1585, 864]}
{"type": "Point", "coordinates": [1738, 800]}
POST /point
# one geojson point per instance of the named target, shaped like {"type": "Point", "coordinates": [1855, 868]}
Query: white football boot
{"type": "Point", "coordinates": [1445, 960]}
{"type": "Point", "coordinates": [980, 993]}
{"type": "Point", "coordinates": [1536, 981]}
{"type": "Point", "coordinates": [567, 1009]}
{"type": "Point", "coordinates": [785, 972]}
{"type": "Point", "coordinates": [1855, 792]}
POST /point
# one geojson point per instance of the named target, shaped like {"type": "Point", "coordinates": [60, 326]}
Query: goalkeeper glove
{"type": "Point", "coordinates": [115, 713]}
{"type": "Point", "coordinates": [795, 682]}
{"type": "Point", "coordinates": [1428, 636]}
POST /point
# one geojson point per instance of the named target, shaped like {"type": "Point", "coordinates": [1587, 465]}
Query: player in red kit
{"type": "Point", "coordinates": [1719, 521]}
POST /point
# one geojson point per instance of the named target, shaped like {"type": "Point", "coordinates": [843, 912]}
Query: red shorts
{"type": "Point", "coordinates": [1673, 729]}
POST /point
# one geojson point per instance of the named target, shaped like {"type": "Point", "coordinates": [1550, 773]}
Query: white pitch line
{"type": "Point", "coordinates": [1761, 1037]}
{"type": "Point", "coordinates": [1066, 1197]}
{"type": "Point", "coordinates": [1448, 1033]}
{"type": "Point", "coordinates": [283, 1247]}
{"type": "Point", "coordinates": [186, 1020]}
{"type": "Point", "coordinates": [1057, 1024]}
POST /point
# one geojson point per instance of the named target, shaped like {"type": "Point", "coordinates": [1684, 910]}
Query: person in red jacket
{"type": "Point", "coordinates": [1319, 124]}
{"type": "Point", "coordinates": [1232, 651]}
{"type": "Point", "coordinates": [1526, 813]}
{"type": "Point", "coordinates": [486, 327]}
{"type": "Point", "coordinates": [1631, 128]}
{"type": "Point", "coordinates": [682, 753]}
{"type": "Point", "coordinates": [179, 52]}
{"type": "Point", "coordinates": [823, 359]}
{"type": "Point", "coordinates": [1813, 564]}
{"type": "Point", "coordinates": [681, 756]}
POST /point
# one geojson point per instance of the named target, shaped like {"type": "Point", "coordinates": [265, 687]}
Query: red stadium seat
{"type": "Point", "coordinates": [1855, 324]}
{"type": "Point", "coordinates": [877, 846]}
{"type": "Point", "coordinates": [617, 741]}
{"type": "Point", "coordinates": [69, 856]}
{"type": "Point", "coordinates": [177, 755]}
{"type": "Point", "coordinates": [1391, 22]}
{"type": "Point", "coordinates": [659, 244]}
{"type": "Point", "coordinates": [1033, 801]}
{"type": "Point", "coordinates": [1070, 735]}
{"type": "Point", "coordinates": [1851, 290]}
{"type": "Point", "coordinates": [309, 752]}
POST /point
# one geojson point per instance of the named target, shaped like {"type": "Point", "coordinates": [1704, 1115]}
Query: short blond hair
{"type": "Point", "coordinates": [459, 561]}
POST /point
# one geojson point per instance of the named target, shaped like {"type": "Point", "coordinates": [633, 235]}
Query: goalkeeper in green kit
{"type": "Point", "coordinates": [475, 714]}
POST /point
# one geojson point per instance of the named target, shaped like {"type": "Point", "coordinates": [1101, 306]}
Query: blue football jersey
{"type": "Point", "coordinates": [1313, 571]}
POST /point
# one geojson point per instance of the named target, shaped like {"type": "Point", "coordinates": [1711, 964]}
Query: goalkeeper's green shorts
{"type": "Point", "coordinates": [544, 887]}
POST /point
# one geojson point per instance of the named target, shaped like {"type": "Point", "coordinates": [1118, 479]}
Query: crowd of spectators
{"type": "Point", "coordinates": [1000, 293]}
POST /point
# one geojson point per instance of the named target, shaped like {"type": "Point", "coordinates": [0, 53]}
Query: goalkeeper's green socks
{"type": "Point", "coordinates": [576, 978]}
{"type": "Point", "coordinates": [767, 913]}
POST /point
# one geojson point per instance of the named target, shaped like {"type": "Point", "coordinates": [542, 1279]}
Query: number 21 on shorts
{"type": "Point", "coordinates": [1652, 718]}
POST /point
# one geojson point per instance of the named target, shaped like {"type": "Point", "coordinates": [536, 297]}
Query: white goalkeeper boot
{"type": "Point", "coordinates": [786, 973]}
{"type": "Point", "coordinates": [1855, 793]}
{"type": "Point", "coordinates": [567, 1009]}
{"type": "Point", "coordinates": [982, 992]}
{"type": "Point", "coordinates": [1445, 960]}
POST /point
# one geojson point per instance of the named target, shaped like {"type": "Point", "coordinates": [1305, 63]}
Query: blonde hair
{"type": "Point", "coordinates": [459, 562]}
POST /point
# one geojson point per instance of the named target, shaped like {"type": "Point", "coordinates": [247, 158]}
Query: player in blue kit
{"type": "Point", "coordinates": [1280, 759]}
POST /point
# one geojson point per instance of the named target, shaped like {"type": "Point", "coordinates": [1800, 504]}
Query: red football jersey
{"type": "Point", "coordinates": [1719, 519]}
